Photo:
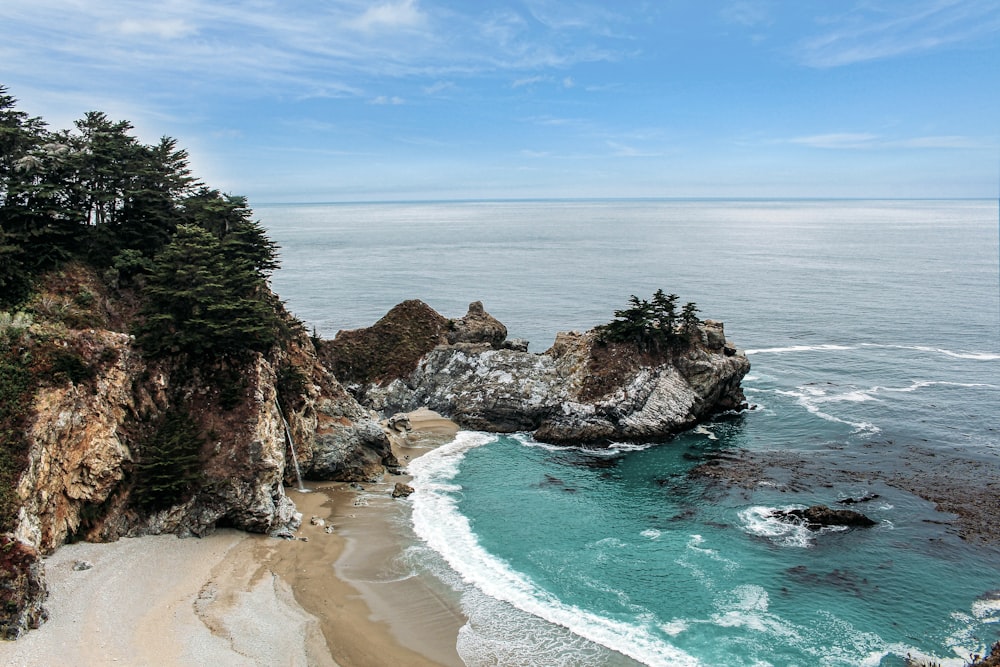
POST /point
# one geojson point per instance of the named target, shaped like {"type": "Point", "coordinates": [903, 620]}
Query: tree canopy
{"type": "Point", "coordinates": [135, 212]}
{"type": "Point", "coordinates": [652, 325]}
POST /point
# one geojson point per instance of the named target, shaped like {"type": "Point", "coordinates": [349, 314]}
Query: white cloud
{"type": "Point", "coordinates": [162, 28]}
{"type": "Point", "coordinates": [383, 99]}
{"type": "Point", "coordinates": [392, 15]}
{"type": "Point", "coordinates": [438, 87]}
{"type": "Point", "coordinates": [528, 81]}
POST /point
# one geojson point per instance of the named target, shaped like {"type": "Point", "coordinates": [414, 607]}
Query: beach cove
{"type": "Point", "coordinates": [233, 598]}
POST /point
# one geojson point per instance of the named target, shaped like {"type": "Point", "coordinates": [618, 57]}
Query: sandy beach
{"type": "Point", "coordinates": [231, 598]}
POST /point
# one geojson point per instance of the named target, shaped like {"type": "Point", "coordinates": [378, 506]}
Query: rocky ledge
{"type": "Point", "coordinates": [581, 390]}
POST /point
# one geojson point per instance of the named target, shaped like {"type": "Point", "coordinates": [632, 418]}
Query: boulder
{"type": "Point", "coordinates": [401, 490]}
{"type": "Point", "coordinates": [821, 516]}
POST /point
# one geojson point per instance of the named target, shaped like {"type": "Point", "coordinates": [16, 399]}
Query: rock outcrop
{"type": "Point", "coordinates": [580, 390]}
{"type": "Point", "coordinates": [86, 442]}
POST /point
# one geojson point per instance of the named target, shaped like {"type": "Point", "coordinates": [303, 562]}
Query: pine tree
{"type": "Point", "coordinates": [200, 302]}
{"type": "Point", "coordinates": [167, 471]}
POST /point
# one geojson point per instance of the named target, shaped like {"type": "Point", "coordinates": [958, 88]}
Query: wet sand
{"type": "Point", "coordinates": [336, 598]}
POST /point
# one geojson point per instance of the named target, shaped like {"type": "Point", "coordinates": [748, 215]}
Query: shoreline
{"type": "Point", "coordinates": [373, 609]}
{"type": "Point", "coordinates": [232, 598]}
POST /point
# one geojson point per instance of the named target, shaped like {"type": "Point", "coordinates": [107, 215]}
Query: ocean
{"type": "Point", "coordinates": [873, 329]}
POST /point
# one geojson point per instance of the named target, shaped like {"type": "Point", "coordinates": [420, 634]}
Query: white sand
{"type": "Point", "coordinates": [228, 599]}
{"type": "Point", "coordinates": [137, 606]}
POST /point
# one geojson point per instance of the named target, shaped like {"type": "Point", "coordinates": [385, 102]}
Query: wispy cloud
{"type": "Point", "coordinates": [327, 49]}
{"type": "Point", "coordinates": [623, 150]}
{"type": "Point", "coordinates": [387, 100]}
{"type": "Point", "coordinates": [170, 28]}
{"type": "Point", "coordinates": [439, 87]}
{"type": "Point", "coordinates": [528, 81]}
{"type": "Point", "coordinates": [880, 29]}
{"type": "Point", "coordinates": [749, 13]}
{"type": "Point", "coordinates": [839, 140]}
{"type": "Point", "coordinates": [867, 141]}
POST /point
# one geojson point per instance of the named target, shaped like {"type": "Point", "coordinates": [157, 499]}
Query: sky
{"type": "Point", "coordinates": [353, 100]}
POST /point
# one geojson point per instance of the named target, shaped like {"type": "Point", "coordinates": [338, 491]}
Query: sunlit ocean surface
{"type": "Point", "coordinates": [873, 328]}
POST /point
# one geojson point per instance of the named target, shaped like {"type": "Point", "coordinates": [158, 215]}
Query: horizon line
{"type": "Point", "coordinates": [474, 200]}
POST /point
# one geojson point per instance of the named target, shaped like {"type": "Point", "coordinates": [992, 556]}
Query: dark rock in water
{"type": "Point", "coordinates": [863, 499]}
{"type": "Point", "coordinates": [821, 516]}
{"type": "Point", "coordinates": [401, 490]}
{"type": "Point", "coordinates": [841, 579]}
{"type": "Point", "coordinates": [578, 460]}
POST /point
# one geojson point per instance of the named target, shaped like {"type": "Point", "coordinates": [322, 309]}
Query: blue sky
{"type": "Point", "coordinates": [351, 100]}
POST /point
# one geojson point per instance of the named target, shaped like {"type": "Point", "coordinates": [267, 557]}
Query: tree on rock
{"type": "Point", "coordinates": [652, 326]}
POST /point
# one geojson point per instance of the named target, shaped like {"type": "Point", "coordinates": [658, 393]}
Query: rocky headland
{"type": "Point", "coordinates": [581, 390]}
{"type": "Point", "coordinates": [88, 446]}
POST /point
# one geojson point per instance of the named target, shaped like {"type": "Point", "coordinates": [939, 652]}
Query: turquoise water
{"type": "Point", "coordinates": [872, 327]}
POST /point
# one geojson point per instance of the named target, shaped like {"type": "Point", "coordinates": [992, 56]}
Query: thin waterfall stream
{"type": "Point", "coordinates": [291, 446]}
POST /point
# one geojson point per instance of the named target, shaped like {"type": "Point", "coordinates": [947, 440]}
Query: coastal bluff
{"type": "Point", "coordinates": [582, 390]}
{"type": "Point", "coordinates": [225, 437]}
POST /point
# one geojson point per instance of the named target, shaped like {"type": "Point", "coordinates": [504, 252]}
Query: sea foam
{"type": "Point", "coordinates": [437, 520]}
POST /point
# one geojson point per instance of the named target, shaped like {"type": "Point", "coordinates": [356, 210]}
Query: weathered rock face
{"type": "Point", "coordinates": [336, 438]}
{"type": "Point", "coordinates": [22, 588]}
{"type": "Point", "coordinates": [580, 390]}
{"type": "Point", "coordinates": [86, 439]}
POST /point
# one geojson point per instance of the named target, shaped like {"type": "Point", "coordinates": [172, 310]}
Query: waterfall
{"type": "Point", "coordinates": [291, 446]}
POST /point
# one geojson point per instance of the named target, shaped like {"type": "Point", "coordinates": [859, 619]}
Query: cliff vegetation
{"type": "Point", "coordinates": [150, 381]}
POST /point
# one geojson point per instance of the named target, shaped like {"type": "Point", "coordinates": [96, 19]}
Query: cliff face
{"type": "Point", "coordinates": [580, 390]}
{"type": "Point", "coordinates": [87, 441]}
{"type": "Point", "coordinates": [86, 438]}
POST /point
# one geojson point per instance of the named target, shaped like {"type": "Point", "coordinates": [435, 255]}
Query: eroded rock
{"type": "Point", "coordinates": [580, 390]}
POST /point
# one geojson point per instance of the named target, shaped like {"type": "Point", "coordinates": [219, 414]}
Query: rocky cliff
{"type": "Point", "coordinates": [580, 390]}
{"type": "Point", "coordinates": [89, 440]}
